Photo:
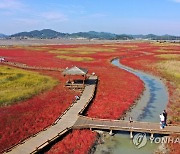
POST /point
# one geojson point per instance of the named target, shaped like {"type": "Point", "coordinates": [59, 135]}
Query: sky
{"type": "Point", "coordinates": [115, 16]}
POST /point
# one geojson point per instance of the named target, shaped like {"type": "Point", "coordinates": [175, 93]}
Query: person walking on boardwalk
{"type": "Point", "coordinates": [130, 119]}
{"type": "Point", "coordinates": [165, 117]}
{"type": "Point", "coordinates": [77, 98]}
{"type": "Point", "coordinates": [161, 121]}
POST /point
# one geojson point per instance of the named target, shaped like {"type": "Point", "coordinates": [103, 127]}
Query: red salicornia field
{"type": "Point", "coordinates": [117, 89]}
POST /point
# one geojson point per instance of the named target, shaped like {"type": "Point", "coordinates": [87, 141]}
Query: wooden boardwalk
{"type": "Point", "coordinates": [24, 66]}
{"type": "Point", "coordinates": [62, 125]}
{"type": "Point", "coordinates": [122, 125]}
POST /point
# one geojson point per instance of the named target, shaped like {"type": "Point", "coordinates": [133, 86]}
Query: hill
{"type": "Point", "coordinates": [50, 34]}
{"type": "Point", "coordinates": [156, 37]}
{"type": "Point", "coordinates": [43, 34]}
{"type": "Point", "coordinates": [3, 36]}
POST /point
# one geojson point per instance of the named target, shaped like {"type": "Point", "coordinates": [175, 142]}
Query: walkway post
{"type": "Point", "coordinates": [152, 136]}
{"type": "Point", "coordinates": [131, 134]}
{"type": "Point", "coordinates": [111, 133]}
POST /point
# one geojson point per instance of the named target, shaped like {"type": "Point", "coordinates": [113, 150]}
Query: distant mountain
{"type": "Point", "coordinates": [93, 34]}
{"type": "Point", "coordinates": [168, 37]}
{"type": "Point", "coordinates": [124, 37]}
{"type": "Point", "coordinates": [50, 34]}
{"type": "Point", "coordinates": [100, 35]}
{"type": "Point", "coordinates": [43, 34]}
{"type": "Point", "coordinates": [156, 37]}
{"type": "Point", "coordinates": [3, 36]}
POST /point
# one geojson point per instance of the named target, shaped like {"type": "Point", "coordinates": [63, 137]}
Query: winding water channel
{"type": "Point", "coordinates": [153, 101]}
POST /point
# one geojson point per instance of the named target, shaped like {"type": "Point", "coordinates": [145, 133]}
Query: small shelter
{"type": "Point", "coordinates": [76, 71]}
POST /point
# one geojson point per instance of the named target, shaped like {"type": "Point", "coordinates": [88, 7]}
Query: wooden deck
{"type": "Point", "coordinates": [75, 86]}
{"type": "Point", "coordinates": [62, 125]}
{"type": "Point", "coordinates": [122, 125]}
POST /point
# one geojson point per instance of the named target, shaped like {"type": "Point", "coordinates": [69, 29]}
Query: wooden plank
{"type": "Point", "coordinates": [125, 126]}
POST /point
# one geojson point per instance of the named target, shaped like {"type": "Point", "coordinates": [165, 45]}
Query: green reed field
{"type": "Point", "coordinates": [17, 84]}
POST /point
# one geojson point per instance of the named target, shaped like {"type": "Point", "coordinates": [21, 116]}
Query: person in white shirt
{"type": "Point", "coordinates": [162, 120]}
{"type": "Point", "coordinates": [77, 97]}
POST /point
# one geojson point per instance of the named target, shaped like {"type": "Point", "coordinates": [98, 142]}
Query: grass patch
{"type": "Point", "coordinates": [84, 49]}
{"type": "Point", "coordinates": [33, 48]}
{"type": "Point", "coordinates": [71, 52]}
{"type": "Point", "coordinates": [171, 69]}
{"type": "Point", "coordinates": [120, 45]}
{"type": "Point", "coordinates": [166, 51]}
{"type": "Point", "coordinates": [17, 85]}
{"type": "Point", "coordinates": [27, 48]}
{"type": "Point", "coordinates": [82, 59]}
{"type": "Point", "coordinates": [169, 56]}
{"type": "Point", "coordinates": [166, 44]}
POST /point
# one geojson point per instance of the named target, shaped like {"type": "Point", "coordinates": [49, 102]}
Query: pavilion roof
{"type": "Point", "coordinates": [75, 71]}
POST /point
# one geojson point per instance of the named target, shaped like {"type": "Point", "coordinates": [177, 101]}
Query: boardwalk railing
{"type": "Point", "coordinates": [121, 125]}
{"type": "Point", "coordinates": [90, 99]}
{"type": "Point", "coordinates": [24, 66]}
{"type": "Point", "coordinates": [49, 141]}
{"type": "Point", "coordinates": [38, 148]}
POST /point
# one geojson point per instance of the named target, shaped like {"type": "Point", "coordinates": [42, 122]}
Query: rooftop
{"type": "Point", "coordinates": [75, 71]}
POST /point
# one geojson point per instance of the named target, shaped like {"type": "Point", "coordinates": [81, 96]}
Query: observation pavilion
{"type": "Point", "coordinates": [76, 77]}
